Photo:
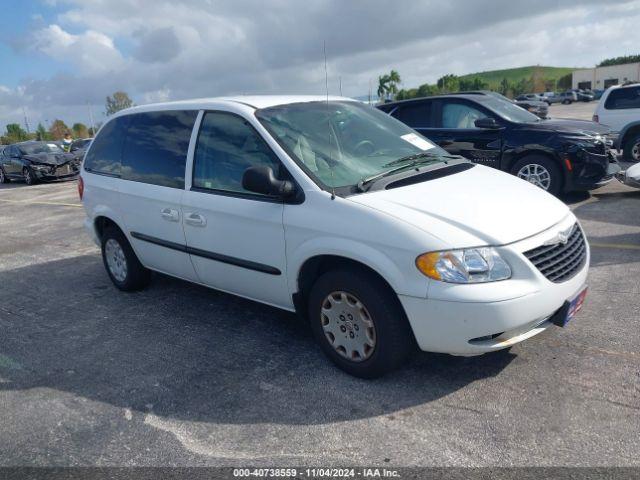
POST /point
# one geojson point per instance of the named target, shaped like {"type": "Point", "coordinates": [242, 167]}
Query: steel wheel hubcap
{"type": "Point", "coordinates": [116, 261]}
{"type": "Point", "coordinates": [635, 151]}
{"type": "Point", "coordinates": [536, 174]}
{"type": "Point", "coordinates": [348, 326]}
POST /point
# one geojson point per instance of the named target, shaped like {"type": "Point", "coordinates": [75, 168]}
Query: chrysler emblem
{"type": "Point", "coordinates": [561, 237]}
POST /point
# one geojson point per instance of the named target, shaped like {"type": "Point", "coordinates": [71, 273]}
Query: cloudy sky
{"type": "Point", "coordinates": [57, 56]}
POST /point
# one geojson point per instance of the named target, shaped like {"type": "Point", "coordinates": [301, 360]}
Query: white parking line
{"type": "Point", "coordinates": [28, 202]}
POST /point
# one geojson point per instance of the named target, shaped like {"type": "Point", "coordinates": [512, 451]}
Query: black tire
{"type": "Point", "coordinates": [137, 276]}
{"type": "Point", "coordinates": [630, 145]}
{"type": "Point", "coordinates": [29, 177]}
{"type": "Point", "coordinates": [394, 340]}
{"type": "Point", "coordinates": [556, 176]}
{"type": "Point", "coordinates": [3, 176]}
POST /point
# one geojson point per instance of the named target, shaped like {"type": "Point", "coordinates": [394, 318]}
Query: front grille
{"type": "Point", "coordinates": [561, 261]}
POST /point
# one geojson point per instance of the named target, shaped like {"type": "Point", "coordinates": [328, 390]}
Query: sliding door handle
{"type": "Point", "coordinates": [170, 214]}
{"type": "Point", "coordinates": [195, 220]}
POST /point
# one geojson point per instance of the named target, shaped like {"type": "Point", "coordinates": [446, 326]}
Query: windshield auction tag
{"type": "Point", "coordinates": [417, 141]}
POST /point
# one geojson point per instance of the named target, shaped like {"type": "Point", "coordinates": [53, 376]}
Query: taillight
{"type": "Point", "coordinates": [595, 118]}
{"type": "Point", "coordinates": [80, 187]}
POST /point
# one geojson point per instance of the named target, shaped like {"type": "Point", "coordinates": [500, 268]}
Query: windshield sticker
{"type": "Point", "coordinates": [417, 141]}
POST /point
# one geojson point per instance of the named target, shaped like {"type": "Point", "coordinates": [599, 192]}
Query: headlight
{"type": "Point", "coordinates": [474, 265]}
{"type": "Point", "coordinates": [39, 167]}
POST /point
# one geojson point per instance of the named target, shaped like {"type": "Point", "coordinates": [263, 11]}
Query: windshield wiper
{"type": "Point", "coordinates": [403, 163]}
{"type": "Point", "coordinates": [416, 156]}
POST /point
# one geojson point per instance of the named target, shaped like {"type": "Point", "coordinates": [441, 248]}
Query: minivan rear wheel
{"type": "Point", "coordinates": [359, 323]}
{"type": "Point", "coordinates": [631, 149]}
{"type": "Point", "coordinates": [122, 264]}
{"type": "Point", "coordinates": [3, 176]}
{"type": "Point", "coordinates": [539, 171]}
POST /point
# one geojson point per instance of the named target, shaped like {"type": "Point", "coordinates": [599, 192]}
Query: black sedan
{"type": "Point", "coordinates": [556, 155]}
{"type": "Point", "coordinates": [37, 161]}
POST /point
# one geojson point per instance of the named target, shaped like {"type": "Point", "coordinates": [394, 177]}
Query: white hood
{"type": "Point", "coordinates": [479, 206]}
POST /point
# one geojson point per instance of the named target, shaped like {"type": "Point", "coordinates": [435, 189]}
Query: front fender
{"type": "Point", "coordinates": [399, 272]}
{"type": "Point", "coordinates": [619, 141]}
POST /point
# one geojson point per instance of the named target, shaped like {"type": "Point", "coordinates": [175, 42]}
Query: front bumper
{"type": "Point", "coordinates": [59, 173]}
{"type": "Point", "coordinates": [480, 318]}
{"type": "Point", "coordinates": [591, 170]}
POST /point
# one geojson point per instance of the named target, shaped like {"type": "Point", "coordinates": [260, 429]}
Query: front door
{"type": "Point", "coordinates": [235, 237]}
{"type": "Point", "coordinates": [456, 132]}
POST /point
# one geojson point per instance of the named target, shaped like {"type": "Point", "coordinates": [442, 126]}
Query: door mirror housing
{"type": "Point", "coordinates": [487, 122]}
{"type": "Point", "coordinates": [262, 180]}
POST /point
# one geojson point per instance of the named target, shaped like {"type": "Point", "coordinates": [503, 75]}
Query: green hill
{"type": "Point", "coordinates": [514, 75]}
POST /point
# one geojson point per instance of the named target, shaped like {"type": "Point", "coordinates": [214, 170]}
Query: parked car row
{"type": "Point", "coordinates": [556, 155]}
{"type": "Point", "coordinates": [568, 97]}
{"type": "Point", "coordinates": [37, 161]}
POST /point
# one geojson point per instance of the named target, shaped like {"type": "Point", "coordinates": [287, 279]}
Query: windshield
{"type": "Point", "coordinates": [35, 148]}
{"type": "Point", "coordinates": [341, 143]}
{"type": "Point", "coordinates": [509, 110]}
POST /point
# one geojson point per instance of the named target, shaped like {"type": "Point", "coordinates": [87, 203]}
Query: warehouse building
{"type": "Point", "coordinates": [603, 77]}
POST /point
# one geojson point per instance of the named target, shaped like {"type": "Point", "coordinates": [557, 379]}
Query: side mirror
{"type": "Point", "coordinates": [487, 122]}
{"type": "Point", "coordinates": [262, 180]}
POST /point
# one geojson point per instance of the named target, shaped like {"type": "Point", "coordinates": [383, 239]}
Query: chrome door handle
{"type": "Point", "coordinates": [195, 219]}
{"type": "Point", "coordinates": [170, 214]}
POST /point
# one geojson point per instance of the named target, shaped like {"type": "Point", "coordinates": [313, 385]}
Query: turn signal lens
{"type": "Point", "coordinates": [474, 265]}
{"type": "Point", "coordinates": [426, 263]}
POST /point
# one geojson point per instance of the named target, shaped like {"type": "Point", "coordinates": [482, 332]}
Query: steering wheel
{"type": "Point", "coordinates": [364, 147]}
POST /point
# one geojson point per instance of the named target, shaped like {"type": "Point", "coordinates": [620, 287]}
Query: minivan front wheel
{"type": "Point", "coordinates": [539, 171]}
{"type": "Point", "coordinates": [359, 323]}
{"type": "Point", "coordinates": [120, 261]}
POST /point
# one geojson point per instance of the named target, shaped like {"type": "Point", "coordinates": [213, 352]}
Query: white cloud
{"type": "Point", "coordinates": [162, 49]}
{"type": "Point", "coordinates": [91, 51]}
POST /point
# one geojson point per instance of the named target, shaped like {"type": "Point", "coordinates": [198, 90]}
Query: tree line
{"type": "Point", "coordinates": [607, 62]}
{"type": "Point", "coordinates": [452, 83]}
{"type": "Point", "coordinates": [58, 129]}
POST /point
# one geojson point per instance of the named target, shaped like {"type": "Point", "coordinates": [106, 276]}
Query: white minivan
{"type": "Point", "coordinates": [333, 209]}
{"type": "Point", "coordinates": [619, 109]}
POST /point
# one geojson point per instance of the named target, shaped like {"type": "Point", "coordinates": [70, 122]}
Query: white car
{"type": "Point", "coordinates": [619, 109]}
{"type": "Point", "coordinates": [631, 176]}
{"type": "Point", "coordinates": [333, 209]}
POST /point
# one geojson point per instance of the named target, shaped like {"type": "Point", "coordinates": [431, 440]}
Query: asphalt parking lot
{"type": "Point", "coordinates": [182, 375]}
{"type": "Point", "coordinates": [579, 110]}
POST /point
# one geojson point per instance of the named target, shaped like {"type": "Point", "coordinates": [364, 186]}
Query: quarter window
{"type": "Point", "coordinates": [155, 150]}
{"type": "Point", "coordinates": [227, 146]}
{"type": "Point", "coordinates": [415, 115]}
{"type": "Point", "coordinates": [623, 98]}
{"type": "Point", "coordinates": [104, 154]}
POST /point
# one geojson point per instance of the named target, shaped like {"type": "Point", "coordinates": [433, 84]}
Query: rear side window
{"type": "Point", "coordinates": [623, 98]}
{"type": "Point", "coordinates": [227, 146]}
{"type": "Point", "coordinates": [104, 155]}
{"type": "Point", "coordinates": [416, 115]}
{"type": "Point", "coordinates": [155, 149]}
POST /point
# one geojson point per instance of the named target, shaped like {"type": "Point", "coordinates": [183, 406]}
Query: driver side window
{"type": "Point", "coordinates": [460, 115]}
{"type": "Point", "coordinates": [227, 146]}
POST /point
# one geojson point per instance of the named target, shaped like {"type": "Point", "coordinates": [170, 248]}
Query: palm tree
{"type": "Point", "coordinates": [394, 80]}
{"type": "Point", "coordinates": [383, 86]}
